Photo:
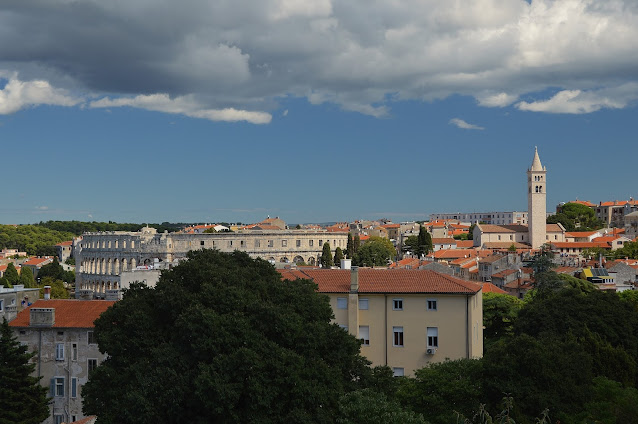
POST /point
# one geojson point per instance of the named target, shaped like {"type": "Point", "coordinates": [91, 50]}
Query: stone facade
{"type": "Point", "coordinates": [101, 258]}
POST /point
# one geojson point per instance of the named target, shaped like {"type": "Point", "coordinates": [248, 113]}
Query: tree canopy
{"type": "Point", "coordinates": [22, 399]}
{"type": "Point", "coordinates": [326, 256]}
{"type": "Point", "coordinates": [33, 239]}
{"type": "Point", "coordinates": [376, 251]}
{"type": "Point", "coordinates": [576, 217]}
{"type": "Point", "coordinates": [221, 338]}
{"type": "Point", "coordinates": [424, 241]}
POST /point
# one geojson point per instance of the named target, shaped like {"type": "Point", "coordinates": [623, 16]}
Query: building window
{"type": "Point", "coordinates": [342, 303]}
{"type": "Point", "coordinates": [270, 243]}
{"type": "Point", "coordinates": [298, 243]}
{"type": "Point", "coordinates": [74, 352]}
{"type": "Point", "coordinates": [1, 305]}
{"type": "Point", "coordinates": [398, 336]}
{"type": "Point", "coordinates": [74, 387]}
{"type": "Point", "coordinates": [58, 419]}
{"type": "Point", "coordinates": [363, 304]}
{"type": "Point", "coordinates": [201, 243]}
{"type": "Point", "coordinates": [364, 335]}
{"type": "Point", "coordinates": [433, 337]}
{"type": "Point", "coordinates": [242, 243]}
{"type": "Point", "coordinates": [91, 364]}
{"type": "Point", "coordinates": [257, 243]}
{"type": "Point", "coordinates": [91, 337]}
{"type": "Point", "coordinates": [345, 327]}
{"type": "Point", "coordinates": [284, 243]}
{"type": "Point", "coordinates": [398, 372]}
{"type": "Point", "coordinates": [320, 242]}
{"type": "Point", "coordinates": [432, 305]}
{"type": "Point", "coordinates": [59, 351]}
{"type": "Point", "coordinates": [311, 243]}
{"type": "Point", "coordinates": [57, 386]}
{"type": "Point", "coordinates": [230, 243]}
{"type": "Point", "coordinates": [397, 304]}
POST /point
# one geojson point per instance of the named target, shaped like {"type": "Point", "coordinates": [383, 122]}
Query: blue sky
{"type": "Point", "coordinates": [333, 111]}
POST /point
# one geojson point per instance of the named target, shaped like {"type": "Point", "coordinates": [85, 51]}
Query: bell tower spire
{"type": "Point", "coordinates": [537, 202]}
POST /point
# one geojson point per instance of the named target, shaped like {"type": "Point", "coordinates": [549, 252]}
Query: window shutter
{"type": "Point", "coordinates": [53, 387]}
{"type": "Point", "coordinates": [74, 387]}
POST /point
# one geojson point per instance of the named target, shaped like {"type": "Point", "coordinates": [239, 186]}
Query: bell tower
{"type": "Point", "coordinates": [536, 202]}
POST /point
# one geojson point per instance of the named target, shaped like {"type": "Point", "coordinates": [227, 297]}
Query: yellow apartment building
{"type": "Point", "coordinates": [405, 318]}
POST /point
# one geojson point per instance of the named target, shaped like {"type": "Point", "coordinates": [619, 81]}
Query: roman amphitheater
{"type": "Point", "coordinates": [109, 260]}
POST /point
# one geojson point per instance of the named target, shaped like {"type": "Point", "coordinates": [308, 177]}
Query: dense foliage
{"type": "Point", "coordinates": [32, 239]}
{"type": "Point", "coordinates": [376, 251]}
{"type": "Point", "coordinates": [22, 399]}
{"type": "Point", "coordinates": [222, 338]}
{"type": "Point", "coordinates": [576, 217]}
{"type": "Point", "coordinates": [326, 256]}
{"type": "Point", "coordinates": [79, 227]}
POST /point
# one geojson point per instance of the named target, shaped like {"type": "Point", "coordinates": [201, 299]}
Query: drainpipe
{"type": "Point", "coordinates": [385, 327]}
{"type": "Point", "coordinates": [467, 318]}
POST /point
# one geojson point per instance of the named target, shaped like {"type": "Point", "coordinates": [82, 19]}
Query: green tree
{"type": "Point", "coordinates": [412, 244]}
{"type": "Point", "coordinates": [350, 247]}
{"type": "Point", "coordinates": [442, 388]}
{"type": "Point", "coordinates": [356, 243]}
{"type": "Point", "coordinates": [425, 241]}
{"type": "Point", "coordinates": [26, 277]}
{"type": "Point", "coordinates": [377, 251]}
{"type": "Point", "coordinates": [629, 250]}
{"type": "Point", "coordinates": [499, 313]}
{"type": "Point", "coordinates": [576, 217]}
{"type": "Point", "coordinates": [53, 270]}
{"type": "Point", "coordinates": [221, 338]}
{"type": "Point", "coordinates": [326, 256]}
{"type": "Point", "coordinates": [612, 403]}
{"type": "Point", "coordinates": [22, 399]}
{"type": "Point", "coordinates": [11, 275]}
{"type": "Point", "coordinates": [58, 291]}
{"type": "Point", "coordinates": [338, 256]}
{"type": "Point", "coordinates": [370, 407]}
{"type": "Point", "coordinates": [470, 233]}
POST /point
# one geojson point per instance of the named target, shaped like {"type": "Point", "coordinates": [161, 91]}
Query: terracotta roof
{"type": "Point", "coordinates": [443, 240]}
{"type": "Point", "coordinates": [505, 245]}
{"type": "Point", "coordinates": [553, 228]}
{"type": "Point", "coordinates": [391, 226]}
{"type": "Point", "coordinates": [605, 239]}
{"type": "Point", "coordinates": [69, 313]}
{"type": "Point", "coordinates": [470, 264]}
{"type": "Point", "coordinates": [511, 228]}
{"type": "Point", "coordinates": [583, 202]}
{"type": "Point", "coordinates": [565, 270]}
{"type": "Point", "coordinates": [504, 273]}
{"type": "Point", "coordinates": [384, 281]}
{"type": "Point", "coordinates": [578, 245]}
{"type": "Point", "coordinates": [65, 243]}
{"type": "Point", "coordinates": [454, 253]}
{"type": "Point", "coordinates": [580, 233]}
{"type": "Point", "coordinates": [36, 261]}
{"type": "Point", "coordinates": [491, 288]}
{"type": "Point", "coordinates": [461, 261]}
{"type": "Point", "coordinates": [464, 244]}
{"type": "Point", "coordinates": [87, 420]}
{"type": "Point", "coordinates": [412, 262]}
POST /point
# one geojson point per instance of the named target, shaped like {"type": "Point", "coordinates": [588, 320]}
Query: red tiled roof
{"type": "Point", "coordinates": [413, 262]}
{"type": "Point", "coordinates": [565, 270]}
{"type": "Point", "coordinates": [577, 234]}
{"type": "Point", "coordinates": [384, 281]}
{"type": "Point", "coordinates": [553, 228]}
{"type": "Point", "coordinates": [65, 243]}
{"type": "Point", "coordinates": [36, 261]}
{"type": "Point", "coordinates": [511, 228]}
{"type": "Point", "coordinates": [505, 245]}
{"type": "Point", "coordinates": [605, 239]}
{"type": "Point", "coordinates": [464, 244]}
{"type": "Point", "coordinates": [454, 253]}
{"type": "Point", "coordinates": [86, 420]}
{"type": "Point", "coordinates": [504, 273]}
{"type": "Point", "coordinates": [491, 288]}
{"type": "Point", "coordinates": [69, 313]}
{"type": "Point", "coordinates": [578, 245]}
{"type": "Point", "coordinates": [583, 202]}
{"type": "Point", "coordinates": [443, 240]}
{"type": "Point", "coordinates": [391, 226]}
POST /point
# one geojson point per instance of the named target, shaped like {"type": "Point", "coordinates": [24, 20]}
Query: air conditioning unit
{"type": "Point", "coordinates": [430, 351]}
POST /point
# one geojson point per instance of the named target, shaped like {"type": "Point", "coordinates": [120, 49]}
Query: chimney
{"type": "Point", "coordinates": [42, 317]}
{"type": "Point", "coordinates": [47, 292]}
{"type": "Point", "coordinates": [354, 279]}
{"type": "Point", "coordinates": [346, 263]}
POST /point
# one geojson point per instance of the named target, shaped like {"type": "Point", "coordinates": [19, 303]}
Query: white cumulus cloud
{"type": "Point", "coordinates": [17, 95]}
{"type": "Point", "coordinates": [465, 125]}
{"type": "Point", "coordinates": [184, 105]}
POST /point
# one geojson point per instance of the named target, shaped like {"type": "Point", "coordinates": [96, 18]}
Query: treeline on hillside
{"type": "Point", "coordinates": [33, 239]}
{"type": "Point", "coordinates": [80, 227]}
